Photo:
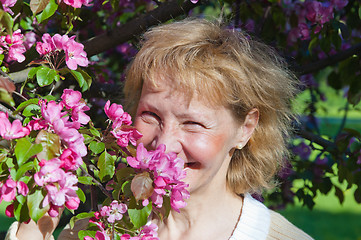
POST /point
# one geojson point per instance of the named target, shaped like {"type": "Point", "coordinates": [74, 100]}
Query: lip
{"type": "Point", "coordinates": [192, 165]}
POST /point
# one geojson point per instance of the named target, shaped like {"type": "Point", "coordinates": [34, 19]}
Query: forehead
{"type": "Point", "coordinates": [186, 85]}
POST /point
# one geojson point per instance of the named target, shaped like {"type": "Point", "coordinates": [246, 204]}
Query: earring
{"type": "Point", "coordinates": [239, 146]}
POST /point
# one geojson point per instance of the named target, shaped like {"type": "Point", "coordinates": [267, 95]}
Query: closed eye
{"type": "Point", "coordinates": [194, 124]}
{"type": "Point", "coordinates": [149, 116]}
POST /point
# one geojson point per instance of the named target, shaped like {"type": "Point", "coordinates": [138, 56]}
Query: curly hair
{"type": "Point", "coordinates": [228, 68]}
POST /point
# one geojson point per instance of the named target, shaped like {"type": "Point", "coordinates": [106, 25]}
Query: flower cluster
{"type": "Point", "coordinates": [312, 15]}
{"type": "Point", "coordinates": [13, 46]}
{"type": "Point", "coordinates": [60, 186]}
{"type": "Point", "coordinates": [52, 47]}
{"type": "Point", "coordinates": [121, 129]}
{"type": "Point", "coordinates": [167, 170]}
{"type": "Point", "coordinates": [54, 119]}
{"type": "Point", "coordinates": [9, 190]}
{"type": "Point", "coordinates": [63, 147]}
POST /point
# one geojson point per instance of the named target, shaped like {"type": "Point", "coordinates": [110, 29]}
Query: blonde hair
{"type": "Point", "coordinates": [230, 69]}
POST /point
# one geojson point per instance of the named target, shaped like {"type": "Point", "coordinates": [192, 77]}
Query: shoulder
{"type": "Point", "coordinates": [281, 229]}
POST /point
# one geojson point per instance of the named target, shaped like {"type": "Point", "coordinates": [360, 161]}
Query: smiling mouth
{"type": "Point", "coordinates": [192, 165]}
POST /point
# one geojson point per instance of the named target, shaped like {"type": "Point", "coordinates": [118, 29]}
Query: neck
{"type": "Point", "coordinates": [206, 210]}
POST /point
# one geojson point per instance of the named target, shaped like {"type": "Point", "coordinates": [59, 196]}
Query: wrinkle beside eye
{"type": "Point", "coordinates": [150, 117]}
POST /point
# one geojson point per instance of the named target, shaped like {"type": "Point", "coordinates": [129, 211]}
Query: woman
{"type": "Point", "coordinates": [221, 101]}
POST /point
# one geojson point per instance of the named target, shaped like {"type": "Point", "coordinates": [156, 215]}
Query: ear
{"type": "Point", "coordinates": [247, 128]}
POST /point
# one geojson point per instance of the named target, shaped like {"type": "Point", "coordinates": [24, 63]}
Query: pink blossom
{"type": "Point", "coordinates": [12, 130]}
{"type": "Point", "coordinates": [77, 3]}
{"type": "Point", "coordinates": [9, 211]}
{"type": "Point", "coordinates": [78, 115]}
{"type": "Point", "coordinates": [99, 235]}
{"type": "Point", "coordinates": [339, 4]}
{"type": "Point", "coordinates": [54, 210]}
{"type": "Point", "coordinates": [178, 196]}
{"type": "Point", "coordinates": [194, 1]}
{"type": "Point", "coordinates": [304, 31]}
{"type": "Point", "coordinates": [62, 192]}
{"type": "Point", "coordinates": [125, 134]}
{"type": "Point", "coordinates": [318, 13]}
{"type": "Point", "coordinates": [114, 212]}
{"type": "Point", "coordinates": [30, 39]}
{"type": "Point", "coordinates": [114, 111]}
{"type": "Point", "coordinates": [71, 136]}
{"type": "Point", "coordinates": [75, 54]}
{"type": "Point", "coordinates": [8, 190]}
{"type": "Point", "coordinates": [74, 51]}
{"type": "Point", "coordinates": [70, 159]}
{"type": "Point", "coordinates": [7, 4]}
{"type": "Point", "coordinates": [13, 46]}
{"type": "Point", "coordinates": [71, 98]}
{"type": "Point", "coordinates": [47, 46]}
{"type": "Point", "coordinates": [167, 170]}
{"type": "Point", "coordinates": [11, 188]}
{"type": "Point", "coordinates": [50, 172]}
{"type": "Point", "coordinates": [52, 111]}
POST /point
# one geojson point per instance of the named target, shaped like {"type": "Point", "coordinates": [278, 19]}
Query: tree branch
{"type": "Point", "coordinates": [326, 144]}
{"type": "Point", "coordinates": [135, 27]}
{"type": "Point", "coordinates": [129, 30]}
{"type": "Point", "coordinates": [331, 60]}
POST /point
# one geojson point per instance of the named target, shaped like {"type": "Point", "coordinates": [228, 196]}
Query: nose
{"type": "Point", "coordinates": [170, 137]}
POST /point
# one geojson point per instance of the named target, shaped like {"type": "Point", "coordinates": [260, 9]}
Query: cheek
{"type": "Point", "coordinates": [207, 148]}
{"type": "Point", "coordinates": [146, 129]}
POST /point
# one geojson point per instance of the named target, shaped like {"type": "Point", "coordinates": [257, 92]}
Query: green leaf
{"type": "Point", "coordinates": [81, 195]}
{"type": "Point", "coordinates": [86, 180]}
{"type": "Point", "coordinates": [94, 131]}
{"type": "Point", "coordinates": [312, 44]}
{"type": "Point", "coordinates": [24, 150]}
{"type": "Point", "coordinates": [106, 166]}
{"type": "Point", "coordinates": [124, 173]}
{"type": "Point", "coordinates": [80, 216]}
{"type": "Point", "coordinates": [6, 97]}
{"type": "Point", "coordinates": [33, 72]}
{"type": "Point", "coordinates": [6, 21]}
{"type": "Point", "coordinates": [359, 12]}
{"type": "Point", "coordinates": [139, 217]}
{"type": "Point", "coordinates": [97, 147]}
{"type": "Point", "coordinates": [83, 78]}
{"type": "Point", "coordinates": [50, 143]}
{"type": "Point", "coordinates": [23, 105]}
{"type": "Point", "coordinates": [23, 169]}
{"type": "Point", "coordinates": [48, 11]}
{"type": "Point", "coordinates": [83, 233]}
{"type": "Point", "coordinates": [34, 204]}
{"type": "Point", "coordinates": [45, 76]}
{"type": "Point", "coordinates": [32, 110]}
{"type": "Point", "coordinates": [21, 212]}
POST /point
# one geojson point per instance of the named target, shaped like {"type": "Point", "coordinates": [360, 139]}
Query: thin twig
{"type": "Point", "coordinates": [5, 109]}
{"type": "Point", "coordinates": [97, 183]}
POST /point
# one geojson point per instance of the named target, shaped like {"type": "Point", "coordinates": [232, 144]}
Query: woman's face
{"type": "Point", "coordinates": [202, 135]}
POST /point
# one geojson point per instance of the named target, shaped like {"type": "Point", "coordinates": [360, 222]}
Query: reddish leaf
{"type": "Point", "coordinates": [142, 186]}
{"type": "Point", "coordinates": [6, 84]}
{"type": "Point", "coordinates": [50, 143]}
{"type": "Point", "coordinates": [37, 6]}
